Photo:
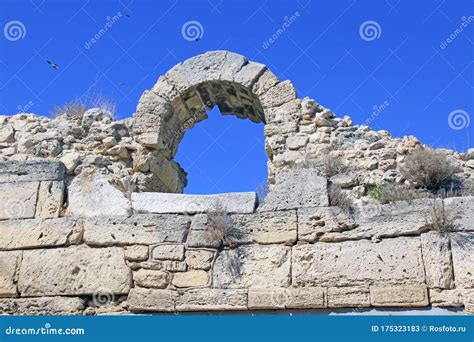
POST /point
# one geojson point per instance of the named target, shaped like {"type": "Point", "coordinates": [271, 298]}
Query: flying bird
{"type": "Point", "coordinates": [127, 15]}
{"type": "Point", "coordinates": [53, 65]}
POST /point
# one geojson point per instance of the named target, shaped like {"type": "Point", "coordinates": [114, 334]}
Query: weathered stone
{"type": "Point", "coordinates": [437, 260]}
{"type": "Point", "coordinates": [93, 195]}
{"type": "Point", "coordinates": [191, 278]}
{"type": "Point", "coordinates": [454, 297]}
{"type": "Point", "coordinates": [348, 297]}
{"type": "Point", "coordinates": [31, 171]}
{"type": "Point", "coordinates": [136, 253]}
{"type": "Point", "coordinates": [165, 265]}
{"type": "Point", "coordinates": [168, 252]}
{"type": "Point", "coordinates": [461, 211]}
{"type": "Point", "coordinates": [140, 299]}
{"type": "Point", "coordinates": [9, 262]}
{"type": "Point", "coordinates": [296, 188]}
{"type": "Point", "coordinates": [265, 228]}
{"type": "Point", "coordinates": [249, 74]}
{"type": "Point", "coordinates": [264, 82]}
{"type": "Point", "coordinates": [388, 220]}
{"type": "Point", "coordinates": [50, 199]}
{"type": "Point", "coordinates": [392, 261]}
{"type": "Point", "coordinates": [202, 238]}
{"type": "Point", "coordinates": [165, 203]}
{"type": "Point", "coordinates": [18, 200]}
{"type": "Point", "coordinates": [267, 266]}
{"type": "Point", "coordinates": [399, 295]}
{"type": "Point", "coordinates": [151, 278]}
{"type": "Point", "coordinates": [70, 161]}
{"type": "Point", "coordinates": [34, 233]}
{"type": "Point", "coordinates": [42, 306]}
{"type": "Point", "coordinates": [212, 299]}
{"type": "Point", "coordinates": [278, 94]}
{"type": "Point", "coordinates": [297, 142]}
{"type": "Point", "coordinates": [199, 259]}
{"type": "Point", "coordinates": [138, 229]}
{"type": "Point", "coordinates": [462, 247]}
{"type": "Point", "coordinates": [305, 298]}
{"type": "Point", "coordinates": [73, 271]}
{"type": "Point", "coordinates": [267, 298]}
{"type": "Point", "coordinates": [315, 223]}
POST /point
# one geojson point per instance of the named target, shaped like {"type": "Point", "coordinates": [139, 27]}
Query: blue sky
{"type": "Point", "coordinates": [408, 65]}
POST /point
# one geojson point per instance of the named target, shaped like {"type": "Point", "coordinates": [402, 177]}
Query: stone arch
{"type": "Point", "coordinates": [181, 98]}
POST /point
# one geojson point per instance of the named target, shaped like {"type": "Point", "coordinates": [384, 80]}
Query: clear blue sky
{"type": "Point", "coordinates": [408, 63]}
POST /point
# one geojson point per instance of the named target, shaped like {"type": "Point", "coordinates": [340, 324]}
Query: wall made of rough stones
{"type": "Point", "coordinates": [164, 256]}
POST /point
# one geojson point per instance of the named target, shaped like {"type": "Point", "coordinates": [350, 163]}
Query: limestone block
{"type": "Point", "coordinates": [50, 199]}
{"type": "Point", "coordinates": [399, 295]}
{"type": "Point", "coordinates": [351, 263]}
{"type": "Point", "coordinates": [151, 278]}
{"type": "Point", "coordinates": [9, 262]}
{"type": "Point", "coordinates": [437, 260]}
{"type": "Point", "coordinates": [93, 195]}
{"type": "Point", "coordinates": [462, 247]}
{"type": "Point", "coordinates": [138, 229]}
{"type": "Point", "coordinates": [168, 252]}
{"type": "Point", "coordinates": [51, 306]}
{"type": "Point", "coordinates": [31, 171]}
{"type": "Point", "coordinates": [265, 266]}
{"type": "Point", "coordinates": [297, 142]}
{"type": "Point", "coordinates": [454, 297]}
{"type": "Point", "coordinates": [140, 299]}
{"type": "Point", "coordinates": [34, 233]}
{"type": "Point", "coordinates": [70, 161]}
{"type": "Point", "coordinates": [305, 298]}
{"type": "Point", "coordinates": [165, 265]}
{"type": "Point", "coordinates": [315, 223]}
{"type": "Point", "coordinates": [249, 74]}
{"type": "Point", "coordinates": [76, 270]}
{"type": "Point", "coordinates": [279, 94]}
{"type": "Point", "coordinates": [267, 298]}
{"type": "Point", "coordinates": [461, 210]}
{"type": "Point", "coordinates": [199, 259]}
{"type": "Point", "coordinates": [166, 203]}
{"type": "Point", "coordinates": [264, 82]}
{"type": "Point", "coordinates": [202, 238]}
{"type": "Point", "coordinates": [272, 129]}
{"type": "Point", "coordinates": [296, 188]}
{"type": "Point", "coordinates": [388, 220]}
{"type": "Point", "coordinates": [348, 297]}
{"type": "Point", "coordinates": [212, 299]}
{"type": "Point", "coordinates": [191, 278]}
{"type": "Point", "coordinates": [265, 228]}
{"type": "Point", "coordinates": [136, 253]}
{"type": "Point", "coordinates": [18, 200]}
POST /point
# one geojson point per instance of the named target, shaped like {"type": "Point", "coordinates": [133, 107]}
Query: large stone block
{"type": "Point", "coordinates": [265, 228]}
{"type": "Point", "coordinates": [462, 247]}
{"type": "Point", "coordinates": [44, 306]}
{"type": "Point", "coordinates": [297, 188]}
{"type": "Point", "coordinates": [279, 94]}
{"type": "Point", "coordinates": [76, 270]}
{"type": "Point", "coordinates": [454, 297]}
{"type": "Point", "coordinates": [138, 229]}
{"type": "Point", "coordinates": [461, 210]}
{"type": "Point", "coordinates": [437, 260]}
{"type": "Point", "coordinates": [348, 297]}
{"type": "Point", "coordinates": [36, 233]}
{"type": "Point", "coordinates": [399, 295]}
{"type": "Point", "coordinates": [212, 299]}
{"type": "Point", "coordinates": [253, 265]}
{"type": "Point", "coordinates": [18, 200]}
{"type": "Point", "coordinates": [50, 199]}
{"type": "Point", "coordinates": [142, 300]}
{"type": "Point", "coordinates": [166, 203]}
{"type": "Point", "coordinates": [350, 263]}
{"type": "Point", "coordinates": [305, 297]}
{"type": "Point", "coordinates": [93, 195]}
{"type": "Point", "coordinates": [168, 252]}
{"type": "Point", "coordinates": [31, 171]}
{"type": "Point", "coordinates": [9, 262]}
{"type": "Point", "coordinates": [389, 220]}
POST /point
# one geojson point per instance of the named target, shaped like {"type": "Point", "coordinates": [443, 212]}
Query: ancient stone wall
{"type": "Point", "coordinates": [174, 253]}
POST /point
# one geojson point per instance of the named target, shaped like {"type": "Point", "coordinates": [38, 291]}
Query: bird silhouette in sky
{"type": "Point", "coordinates": [53, 65]}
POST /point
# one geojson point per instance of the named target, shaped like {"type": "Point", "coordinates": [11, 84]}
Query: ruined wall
{"type": "Point", "coordinates": [169, 253]}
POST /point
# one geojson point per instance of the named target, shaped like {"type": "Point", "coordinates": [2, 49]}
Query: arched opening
{"type": "Point", "coordinates": [223, 154]}
{"type": "Point", "coordinates": [183, 97]}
